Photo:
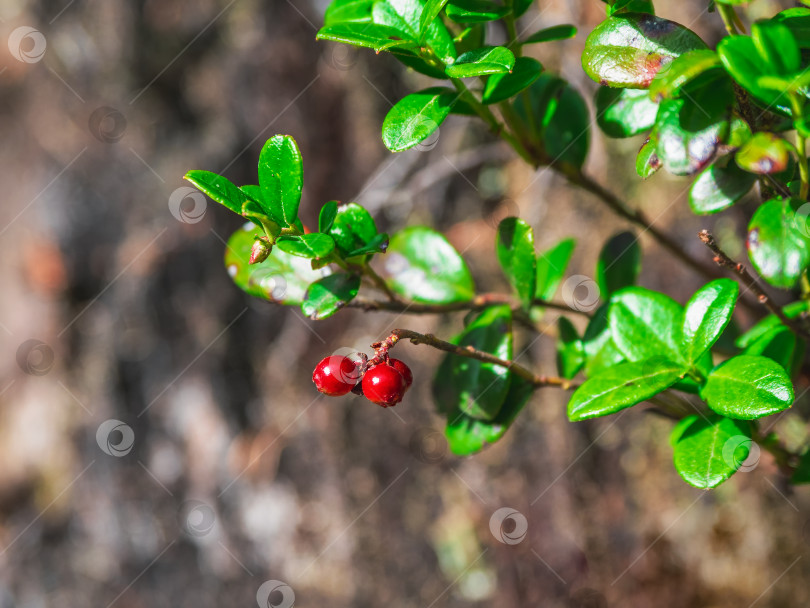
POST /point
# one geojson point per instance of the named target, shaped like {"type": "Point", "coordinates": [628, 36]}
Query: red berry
{"type": "Point", "coordinates": [402, 369]}
{"type": "Point", "coordinates": [383, 385]}
{"type": "Point", "coordinates": [335, 375]}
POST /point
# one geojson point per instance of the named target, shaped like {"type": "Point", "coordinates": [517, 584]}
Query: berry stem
{"type": "Point", "coordinates": [396, 335]}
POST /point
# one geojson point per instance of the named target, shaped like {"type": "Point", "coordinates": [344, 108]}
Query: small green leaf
{"type": "Point", "coordinates": [619, 263]}
{"type": "Point", "coordinates": [327, 216]}
{"type": "Point", "coordinates": [343, 11]}
{"type": "Point", "coordinates": [601, 351]}
{"type": "Point", "coordinates": [515, 249]}
{"type": "Point", "coordinates": [764, 153]}
{"type": "Point", "coordinates": [747, 387]}
{"type": "Point", "coordinates": [710, 451]}
{"type": "Point", "coordinates": [778, 245]}
{"type": "Point", "coordinates": [570, 349]}
{"type": "Point", "coordinates": [475, 11]}
{"type": "Point", "coordinates": [719, 186]}
{"type": "Point", "coordinates": [501, 87]}
{"type": "Point", "coordinates": [669, 80]}
{"type": "Point", "coordinates": [624, 112]}
{"type": "Point", "coordinates": [423, 266]}
{"type": "Point", "coordinates": [483, 61]}
{"type": "Point", "coordinates": [678, 430]}
{"type": "Point", "coordinates": [628, 50]}
{"type": "Point", "coordinates": [406, 16]}
{"type": "Point", "coordinates": [377, 244]}
{"type": "Point", "coordinates": [779, 344]}
{"type": "Point", "coordinates": [645, 324]}
{"type": "Point", "coordinates": [328, 295]}
{"type": "Point", "coordinates": [281, 177]}
{"type": "Point", "coordinates": [622, 386]}
{"type": "Point", "coordinates": [281, 278]}
{"type": "Point", "coordinates": [616, 7]}
{"type": "Point", "coordinates": [777, 47]}
{"type": "Point", "coordinates": [555, 32]}
{"type": "Point", "coordinates": [370, 35]}
{"type": "Point", "coordinates": [791, 311]}
{"type": "Point", "coordinates": [797, 20]}
{"type": "Point", "coordinates": [352, 228]}
{"type": "Point", "coordinates": [647, 161]}
{"type": "Point", "coordinates": [551, 267]}
{"type": "Point", "coordinates": [475, 388]}
{"type": "Point", "coordinates": [466, 435]}
{"type": "Point", "coordinates": [415, 117]}
{"type": "Point", "coordinates": [705, 317]}
{"type": "Point", "coordinates": [312, 246]}
{"type": "Point", "coordinates": [219, 188]}
{"type": "Point", "coordinates": [429, 14]}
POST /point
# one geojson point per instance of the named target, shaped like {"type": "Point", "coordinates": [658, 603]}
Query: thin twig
{"type": "Point", "coordinates": [469, 352]}
{"type": "Point", "coordinates": [479, 302]}
{"type": "Point", "coordinates": [751, 283]}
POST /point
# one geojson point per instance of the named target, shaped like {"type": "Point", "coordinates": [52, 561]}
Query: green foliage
{"type": "Point", "coordinates": [748, 387]}
{"type": "Point", "coordinates": [710, 450]}
{"type": "Point", "coordinates": [515, 249]}
{"type": "Point", "coordinates": [624, 112]}
{"type": "Point", "coordinates": [415, 118]}
{"type": "Point", "coordinates": [777, 244]}
{"type": "Point", "coordinates": [619, 263]}
{"type": "Point", "coordinates": [483, 61]}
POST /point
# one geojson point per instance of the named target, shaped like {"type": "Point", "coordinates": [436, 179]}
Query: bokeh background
{"type": "Point", "coordinates": [161, 443]}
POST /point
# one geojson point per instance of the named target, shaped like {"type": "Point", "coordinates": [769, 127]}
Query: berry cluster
{"type": "Point", "coordinates": [382, 381]}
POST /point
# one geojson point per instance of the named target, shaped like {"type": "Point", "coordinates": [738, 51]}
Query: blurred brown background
{"type": "Point", "coordinates": [161, 443]}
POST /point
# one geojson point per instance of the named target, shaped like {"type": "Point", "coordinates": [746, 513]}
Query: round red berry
{"type": "Point", "coordinates": [383, 385]}
{"type": "Point", "coordinates": [335, 375]}
{"type": "Point", "coordinates": [403, 369]}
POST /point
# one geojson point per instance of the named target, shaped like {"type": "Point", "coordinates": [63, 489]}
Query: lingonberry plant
{"type": "Point", "coordinates": [733, 119]}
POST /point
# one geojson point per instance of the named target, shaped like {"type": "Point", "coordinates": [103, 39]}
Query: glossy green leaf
{"type": "Point", "coordinates": [551, 267]}
{"type": "Point", "coordinates": [369, 35]}
{"type": "Point", "coordinates": [669, 79]}
{"type": "Point", "coordinates": [705, 317]}
{"type": "Point", "coordinates": [719, 186]}
{"type": "Point", "coordinates": [624, 112]}
{"type": "Point", "coordinates": [423, 266]}
{"type": "Point", "coordinates": [429, 14]}
{"type": "Point", "coordinates": [281, 177]}
{"type": "Point", "coordinates": [622, 386]}
{"type": "Point", "coordinates": [776, 46]}
{"type": "Point", "coordinates": [678, 430]}
{"type": "Point", "coordinates": [742, 59]}
{"type": "Point", "coordinates": [555, 32]}
{"type": "Point", "coordinates": [258, 211]}
{"type": "Point", "coordinates": [764, 153]}
{"type": "Point", "coordinates": [514, 246]}
{"type": "Point", "coordinates": [791, 311]}
{"type": "Point", "coordinates": [343, 11]}
{"type": "Point", "coordinates": [747, 387]}
{"type": "Point", "coordinates": [708, 452]}
{"type": "Point", "coordinates": [619, 263]}
{"type": "Point", "coordinates": [570, 349]}
{"type": "Point", "coordinates": [327, 216]}
{"type": "Point", "coordinates": [647, 161]}
{"type": "Point", "coordinates": [779, 344]}
{"type": "Point", "coordinates": [328, 295]}
{"type": "Point", "coordinates": [312, 246]}
{"type": "Point", "coordinates": [406, 16]}
{"type": "Point", "coordinates": [466, 435]}
{"type": "Point", "coordinates": [797, 20]}
{"type": "Point", "coordinates": [483, 61]}
{"type": "Point", "coordinates": [560, 118]}
{"type": "Point", "coordinates": [415, 118]}
{"type": "Point", "coordinates": [684, 148]}
{"type": "Point", "coordinates": [219, 188]}
{"type": "Point", "coordinates": [377, 244]}
{"type": "Point", "coordinates": [281, 278]}
{"type": "Point", "coordinates": [500, 87]}
{"type": "Point", "coordinates": [628, 50]}
{"type": "Point", "coordinates": [645, 324]}
{"type": "Point", "coordinates": [475, 11]}
{"type": "Point", "coordinates": [475, 388]}
{"type": "Point", "coordinates": [601, 351]}
{"type": "Point", "coordinates": [353, 228]}
{"type": "Point", "coordinates": [778, 243]}
{"type": "Point", "coordinates": [616, 7]}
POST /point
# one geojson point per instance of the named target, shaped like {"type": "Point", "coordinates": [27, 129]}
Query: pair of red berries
{"type": "Point", "coordinates": [383, 384]}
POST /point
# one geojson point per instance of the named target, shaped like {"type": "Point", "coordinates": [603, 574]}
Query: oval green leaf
{"type": "Point", "coordinates": [705, 317]}
{"type": "Point", "coordinates": [624, 112]}
{"type": "Point", "coordinates": [281, 177]}
{"type": "Point", "coordinates": [645, 324]}
{"type": "Point", "coordinates": [514, 246]}
{"type": "Point", "coordinates": [719, 186]}
{"type": "Point", "coordinates": [763, 154]}
{"type": "Point", "coordinates": [353, 228]}
{"type": "Point", "coordinates": [555, 32]}
{"type": "Point", "coordinates": [708, 452]}
{"type": "Point", "coordinates": [475, 11]}
{"type": "Point", "coordinates": [747, 387]}
{"type": "Point", "coordinates": [311, 246]}
{"type": "Point", "coordinates": [328, 295]}
{"type": "Point", "coordinates": [570, 350]}
{"type": "Point", "coordinates": [551, 267]}
{"type": "Point", "coordinates": [481, 62]}
{"type": "Point", "coordinates": [416, 117]}
{"type": "Point", "coordinates": [501, 87]}
{"type": "Point", "coordinates": [778, 243]}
